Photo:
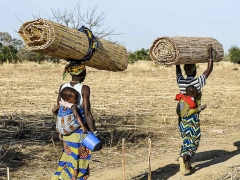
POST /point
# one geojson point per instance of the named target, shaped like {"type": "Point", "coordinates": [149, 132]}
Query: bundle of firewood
{"type": "Point", "coordinates": [184, 50]}
{"type": "Point", "coordinates": [50, 38]}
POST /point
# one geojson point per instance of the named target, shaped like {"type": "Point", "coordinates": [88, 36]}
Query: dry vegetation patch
{"type": "Point", "coordinates": [135, 104]}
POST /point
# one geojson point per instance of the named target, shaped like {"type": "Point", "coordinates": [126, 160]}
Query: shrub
{"type": "Point", "coordinates": [234, 54]}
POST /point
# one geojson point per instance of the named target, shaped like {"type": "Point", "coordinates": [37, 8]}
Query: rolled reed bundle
{"type": "Point", "coordinates": [47, 37]}
{"type": "Point", "coordinates": [184, 50]}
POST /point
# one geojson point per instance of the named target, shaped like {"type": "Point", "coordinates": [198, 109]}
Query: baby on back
{"type": "Point", "coordinates": [68, 119]}
{"type": "Point", "coordinates": [188, 105]}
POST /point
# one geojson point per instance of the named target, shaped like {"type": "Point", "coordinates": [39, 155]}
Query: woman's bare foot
{"type": "Point", "coordinates": [60, 137]}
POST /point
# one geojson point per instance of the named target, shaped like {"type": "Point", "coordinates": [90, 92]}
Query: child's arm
{"type": "Point", "coordinates": [196, 110]}
{"type": "Point", "coordinates": [75, 112]}
{"type": "Point", "coordinates": [55, 109]}
{"type": "Point", "coordinates": [202, 107]}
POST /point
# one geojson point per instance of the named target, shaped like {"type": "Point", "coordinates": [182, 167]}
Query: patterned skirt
{"type": "Point", "coordinates": [74, 161]}
{"type": "Point", "coordinates": [191, 134]}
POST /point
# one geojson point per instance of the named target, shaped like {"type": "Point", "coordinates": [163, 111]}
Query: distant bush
{"type": "Point", "coordinates": [12, 51]}
{"type": "Point", "coordinates": [25, 55]}
{"type": "Point", "coordinates": [234, 54]}
{"type": "Point", "coordinates": [139, 55]}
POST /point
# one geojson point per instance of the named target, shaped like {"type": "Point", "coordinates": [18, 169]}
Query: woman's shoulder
{"type": "Point", "coordinates": [86, 87]}
{"type": "Point", "coordinates": [86, 90]}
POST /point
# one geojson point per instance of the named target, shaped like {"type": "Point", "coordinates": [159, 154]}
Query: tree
{"type": "Point", "coordinates": [142, 54]}
{"type": "Point", "coordinates": [9, 53]}
{"type": "Point", "coordinates": [26, 55]}
{"type": "Point", "coordinates": [74, 19]}
{"type": "Point", "coordinates": [234, 54]}
{"type": "Point", "coordinates": [5, 38]}
{"type": "Point", "coordinates": [9, 47]}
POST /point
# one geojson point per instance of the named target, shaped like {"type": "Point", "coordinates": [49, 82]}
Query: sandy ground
{"type": "Point", "coordinates": [136, 104]}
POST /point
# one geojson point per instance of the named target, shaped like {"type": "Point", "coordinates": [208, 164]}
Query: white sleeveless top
{"type": "Point", "coordinates": [78, 88]}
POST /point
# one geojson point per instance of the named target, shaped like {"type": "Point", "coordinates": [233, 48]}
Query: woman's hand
{"type": "Point", "coordinates": [210, 51]}
{"type": "Point", "coordinates": [85, 129]}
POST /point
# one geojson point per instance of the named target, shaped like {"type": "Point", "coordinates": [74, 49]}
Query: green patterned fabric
{"type": "Point", "coordinates": [73, 69]}
{"type": "Point", "coordinates": [191, 134]}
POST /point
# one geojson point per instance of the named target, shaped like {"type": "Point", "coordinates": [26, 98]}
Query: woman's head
{"type": "Point", "coordinates": [80, 77]}
{"type": "Point", "coordinates": [191, 91]}
{"type": "Point", "coordinates": [190, 69]}
{"type": "Point", "coordinates": [76, 70]}
{"type": "Point", "coordinates": [69, 94]}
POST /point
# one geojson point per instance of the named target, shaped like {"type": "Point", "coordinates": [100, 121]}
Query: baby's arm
{"type": "Point", "coordinates": [75, 112]}
{"type": "Point", "coordinates": [55, 109]}
{"type": "Point", "coordinates": [202, 107]}
{"type": "Point", "coordinates": [196, 110]}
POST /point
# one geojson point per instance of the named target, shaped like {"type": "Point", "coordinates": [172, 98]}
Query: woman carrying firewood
{"type": "Point", "coordinates": [190, 126]}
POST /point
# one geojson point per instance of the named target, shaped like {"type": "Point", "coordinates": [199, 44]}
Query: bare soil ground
{"type": "Point", "coordinates": [136, 104]}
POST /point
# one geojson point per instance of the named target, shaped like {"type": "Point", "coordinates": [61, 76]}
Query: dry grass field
{"type": "Point", "coordinates": [135, 104]}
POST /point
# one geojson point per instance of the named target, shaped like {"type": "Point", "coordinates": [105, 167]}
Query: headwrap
{"type": "Point", "coordinates": [189, 69]}
{"type": "Point", "coordinates": [74, 69]}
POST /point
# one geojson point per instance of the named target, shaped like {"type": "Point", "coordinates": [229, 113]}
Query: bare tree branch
{"type": "Point", "coordinates": [37, 16]}
{"type": "Point", "coordinates": [18, 18]}
{"type": "Point", "coordinates": [74, 19]}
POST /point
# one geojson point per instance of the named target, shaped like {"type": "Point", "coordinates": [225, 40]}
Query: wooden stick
{"type": "Point", "coordinates": [123, 158]}
{"type": "Point", "coordinates": [149, 159]}
{"type": "Point", "coordinates": [8, 176]}
{"type": "Point", "coordinates": [53, 143]}
{"type": "Point", "coordinates": [54, 147]}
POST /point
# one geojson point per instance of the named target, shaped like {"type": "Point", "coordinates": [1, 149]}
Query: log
{"type": "Point", "coordinates": [53, 39]}
{"type": "Point", "coordinates": [184, 50]}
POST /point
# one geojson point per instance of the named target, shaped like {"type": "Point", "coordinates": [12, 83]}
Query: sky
{"type": "Point", "coordinates": [140, 22]}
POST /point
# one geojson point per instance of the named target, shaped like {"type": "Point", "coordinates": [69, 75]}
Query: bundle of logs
{"type": "Point", "coordinates": [50, 38]}
{"type": "Point", "coordinates": [184, 50]}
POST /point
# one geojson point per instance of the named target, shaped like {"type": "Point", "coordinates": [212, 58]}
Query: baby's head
{"type": "Point", "coordinates": [191, 91]}
{"type": "Point", "coordinates": [69, 94]}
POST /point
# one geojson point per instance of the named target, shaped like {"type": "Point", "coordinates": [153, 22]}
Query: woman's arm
{"type": "Point", "coordinates": [87, 108]}
{"type": "Point", "coordinates": [210, 62]}
{"type": "Point", "coordinates": [178, 70]}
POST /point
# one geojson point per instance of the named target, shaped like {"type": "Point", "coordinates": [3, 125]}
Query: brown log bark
{"type": "Point", "coordinates": [47, 37]}
{"type": "Point", "coordinates": [184, 50]}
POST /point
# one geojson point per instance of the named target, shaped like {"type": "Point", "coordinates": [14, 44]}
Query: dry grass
{"type": "Point", "coordinates": [136, 104]}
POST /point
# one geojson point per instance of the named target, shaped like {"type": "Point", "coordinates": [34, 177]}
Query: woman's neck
{"type": "Point", "coordinates": [72, 83]}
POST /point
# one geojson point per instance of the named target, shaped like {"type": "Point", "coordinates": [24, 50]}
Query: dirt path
{"type": "Point", "coordinates": [212, 161]}
{"type": "Point", "coordinates": [168, 169]}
